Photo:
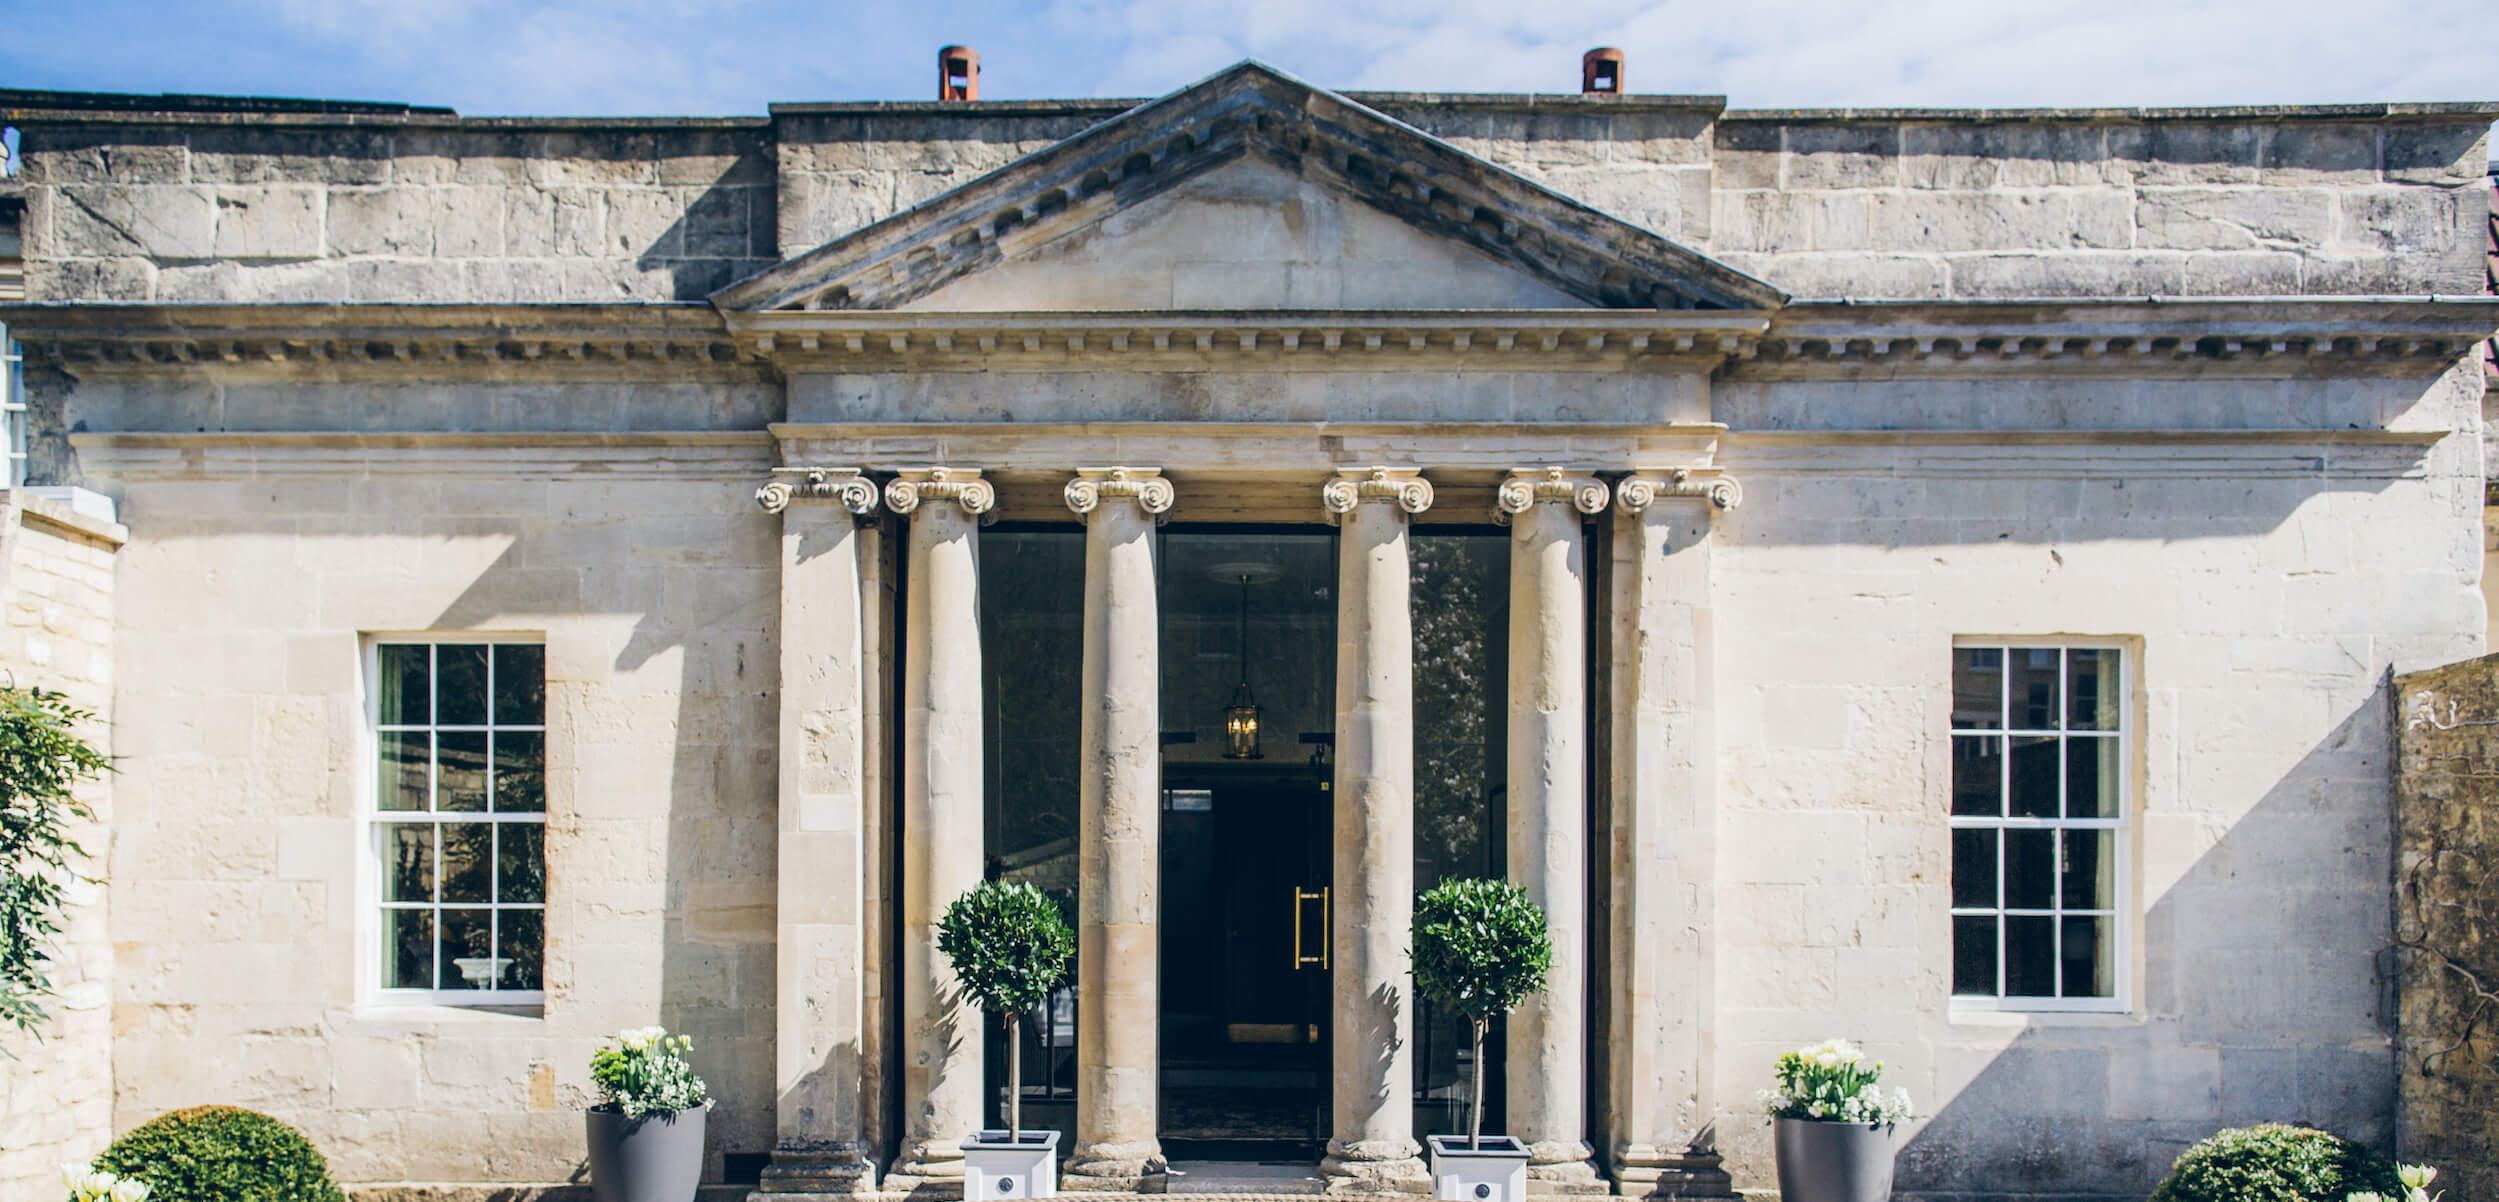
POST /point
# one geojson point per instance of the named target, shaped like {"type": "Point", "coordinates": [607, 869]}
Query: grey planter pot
{"type": "Point", "coordinates": [655, 1158]}
{"type": "Point", "coordinates": [996, 1167]}
{"type": "Point", "coordinates": [1823, 1161]}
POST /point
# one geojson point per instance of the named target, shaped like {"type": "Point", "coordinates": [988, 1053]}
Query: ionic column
{"type": "Point", "coordinates": [1373, 1146]}
{"type": "Point", "coordinates": [1548, 825]}
{"type": "Point", "coordinates": [941, 812]}
{"type": "Point", "coordinates": [1660, 1098]}
{"type": "Point", "coordinates": [1119, 837]}
{"type": "Point", "coordinates": [819, 1018]}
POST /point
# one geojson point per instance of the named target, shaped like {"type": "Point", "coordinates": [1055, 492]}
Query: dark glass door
{"type": "Point", "coordinates": [1245, 962]}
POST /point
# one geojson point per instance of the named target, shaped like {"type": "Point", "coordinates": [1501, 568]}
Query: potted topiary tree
{"type": "Point", "coordinates": [1010, 945]}
{"type": "Point", "coordinates": [646, 1133]}
{"type": "Point", "coordinates": [1480, 948]}
{"type": "Point", "coordinates": [1833, 1137]}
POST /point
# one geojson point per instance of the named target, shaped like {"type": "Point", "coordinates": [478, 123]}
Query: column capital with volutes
{"type": "Point", "coordinates": [842, 486]}
{"type": "Point", "coordinates": [1354, 487]}
{"type": "Point", "coordinates": [1144, 485]}
{"type": "Point", "coordinates": [913, 487]}
{"type": "Point", "coordinates": [1527, 487]}
{"type": "Point", "coordinates": [1645, 487]}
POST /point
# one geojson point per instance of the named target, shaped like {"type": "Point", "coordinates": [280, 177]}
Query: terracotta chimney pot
{"type": "Point", "coordinates": [1601, 70]}
{"type": "Point", "coordinates": [958, 73]}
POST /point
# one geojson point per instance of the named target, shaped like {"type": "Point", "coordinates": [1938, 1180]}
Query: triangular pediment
{"type": "Point", "coordinates": [1250, 189]}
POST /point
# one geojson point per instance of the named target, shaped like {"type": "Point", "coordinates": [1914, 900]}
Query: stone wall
{"type": "Point", "coordinates": [2447, 790]}
{"type": "Point", "coordinates": [645, 566]}
{"type": "Point", "coordinates": [2262, 605]}
{"type": "Point", "coordinates": [285, 208]}
{"type": "Point", "coordinates": [1908, 203]}
{"type": "Point", "coordinates": [56, 632]}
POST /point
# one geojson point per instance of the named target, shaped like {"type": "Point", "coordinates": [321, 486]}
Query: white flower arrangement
{"type": "Point", "coordinates": [90, 1184]}
{"type": "Point", "coordinates": [647, 1073]}
{"type": "Point", "coordinates": [2416, 1179]}
{"type": "Point", "coordinates": [1832, 1081]}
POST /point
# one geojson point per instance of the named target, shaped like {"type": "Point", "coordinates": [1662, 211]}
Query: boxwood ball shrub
{"type": "Point", "coordinates": [2277, 1163]}
{"type": "Point", "coordinates": [222, 1154]}
{"type": "Point", "coordinates": [1480, 948]}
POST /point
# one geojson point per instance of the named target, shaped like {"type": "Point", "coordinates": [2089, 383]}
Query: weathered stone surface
{"type": "Point", "coordinates": [57, 632]}
{"type": "Point", "coordinates": [2445, 852]}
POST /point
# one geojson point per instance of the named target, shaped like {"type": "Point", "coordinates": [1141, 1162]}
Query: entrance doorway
{"type": "Point", "coordinates": [1249, 665]}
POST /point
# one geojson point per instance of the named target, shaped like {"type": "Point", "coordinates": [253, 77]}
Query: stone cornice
{"type": "Point", "coordinates": [812, 340]}
{"type": "Point", "coordinates": [578, 338]}
{"type": "Point", "coordinates": [2152, 336]}
{"type": "Point", "coordinates": [1528, 487]}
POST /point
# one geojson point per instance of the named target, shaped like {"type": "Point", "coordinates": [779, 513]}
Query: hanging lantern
{"type": "Point", "coordinates": [1240, 719]}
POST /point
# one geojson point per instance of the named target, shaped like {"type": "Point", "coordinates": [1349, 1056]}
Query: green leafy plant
{"type": "Point", "coordinates": [2277, 1163]}
{"type": "Point", "coordinates": [1832, 1081]}
{"type": "Point", "coordinates": [647, 1073]}
{"type": "Point", "coordinates": [1480, 948]}
{"type": "Point", "coordinates": [42, 762]}
{"type": "Point", "coordinates": [1010, 946]}
{"type": "Point", "coordinates": [221, 1154]}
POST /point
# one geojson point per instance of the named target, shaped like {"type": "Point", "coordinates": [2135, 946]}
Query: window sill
{"type": "Point", "coordinates": [393, 1012]}
{"type": "Point", "coordinates": [1971, 1016]}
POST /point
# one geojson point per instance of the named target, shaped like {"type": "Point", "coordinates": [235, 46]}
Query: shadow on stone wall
{"type": "Point", "coordinates": [715, 850]}
{"type": "Point", "coordinates": [2261, 1004]}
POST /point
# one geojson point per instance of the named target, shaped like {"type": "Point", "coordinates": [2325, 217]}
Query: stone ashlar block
{"type": "Point", "coordinates": [643, 223]}
{"type": "Point", "coordinates": [162, 222]}
{"type": "Point", "coordinates": [2320, 152]}
{"type": "Point", "coordinates": [1746, 154]}
{"type": "Point", "coordinates": [269, 222]}
{"type": "Point", "coordinates": [2001, 220]}
{"type": "Point", "coordinates": [2244, 273]}
{"type": "Point", "coordinates": [715, 223]}
{"type": "Point", "coordinates": [2073, 273]}
{"type": "Point", "coordinates": [2435, 153]}
{"type": "Point", "coordinates": [278, 155]}
{"type": "Point", "coordinates": [552, 222]}
{"type": "Point", "coordinates": [2187, 152]}
{"type": "Point", "coordinates": [1835, 155]}
{"type": "Point", "coordinates": [116, 279]}
{"type": "Point", "coordinates": [468, 222]}
{"type": "Point", "coordinates": [381, 221]}
{"type": "Point", "coordinates": [2413, 221]}
{"type": "Point", "coordinates": [2233, 218]}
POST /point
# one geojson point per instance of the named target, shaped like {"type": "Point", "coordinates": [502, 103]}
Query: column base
{"type": "Point", "coordinates": [1387, 1166]}
{"type": "Point", "coordinates": [1126, 1168]}
{"type": "Point", "coordinates": [826, 1170]}
{"type": "Point", "coordinates": [1694, 1174]}
{"type": "Point", "coordinates": [1564, 1167]}
{"type": "Point", "coordinates": [927, 1168]}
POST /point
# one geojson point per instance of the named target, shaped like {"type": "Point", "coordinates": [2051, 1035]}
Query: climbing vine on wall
{"type": "Point", "coordinates": [42, 762]}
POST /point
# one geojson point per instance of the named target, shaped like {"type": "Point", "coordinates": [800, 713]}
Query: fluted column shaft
{"type": "Point", "coordinates": [1546, 1066]}
{"type": "Point", "coordinates": [1660, 1099]}
{"type": "Point", "coordinates": [820, 994]}
{"type": "Point", "coordinates": [1119, 834]}
{"type": "Point", "coordinates": [1373, 1146]}
{"type": "Point", "coordinates": [941, 811]}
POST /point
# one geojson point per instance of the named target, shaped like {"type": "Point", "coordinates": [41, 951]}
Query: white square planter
{"type": "Point", "coordinates": [1027, 1168]}
{"type": "Point", "coordinates": [1495, 1170]}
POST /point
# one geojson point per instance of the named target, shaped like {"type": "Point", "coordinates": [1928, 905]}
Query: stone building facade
{"type": "Point", "coordinates": [1924, 576]}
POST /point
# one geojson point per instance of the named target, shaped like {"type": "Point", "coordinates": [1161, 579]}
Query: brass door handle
{"type": "Point", "coordinates": [1301, 897]}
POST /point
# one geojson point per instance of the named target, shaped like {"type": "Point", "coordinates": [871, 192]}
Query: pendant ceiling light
{"type": "Point", "coordinates": [1240, 719]}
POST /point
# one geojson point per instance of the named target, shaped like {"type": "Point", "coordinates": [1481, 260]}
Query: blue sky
{"type": "Point", "coordinates": [601, 57]}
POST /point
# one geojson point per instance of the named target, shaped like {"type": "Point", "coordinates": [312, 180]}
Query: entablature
{"type": "Point", "coordinates": [1585, 339]}
{"type": "Point", "coordinates": [2147, 337]}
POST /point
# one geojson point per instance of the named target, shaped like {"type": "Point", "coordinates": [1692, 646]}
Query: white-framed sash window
{"type": "Point", "coordinates": [458, 819]}
{"type": "Point", "coordinates": [2040, 811]}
